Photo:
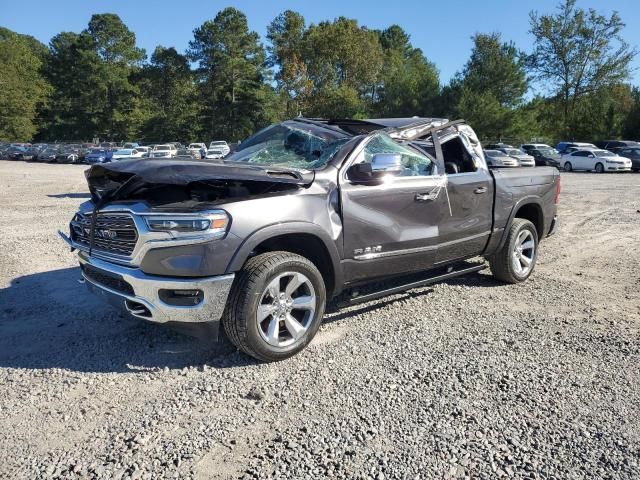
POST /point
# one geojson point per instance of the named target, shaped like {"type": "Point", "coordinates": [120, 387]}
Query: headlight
{"type": "Point", "coordinates": [212, 224]}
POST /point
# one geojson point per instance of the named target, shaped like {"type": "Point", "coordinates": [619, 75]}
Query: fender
{"type": "Point", "coordinates": [295, 227]}
{"type": "Point", "coordinates": [528, 200]}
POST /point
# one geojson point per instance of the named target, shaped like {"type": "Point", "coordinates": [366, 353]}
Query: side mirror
{"type": "Point", "coordinates": [386, 163]}
{"type": "Point", "coordinates": [591, 155]}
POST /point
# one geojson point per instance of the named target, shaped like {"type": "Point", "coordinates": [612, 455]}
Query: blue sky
{"type": "Point", "coordinates": [441, 29]}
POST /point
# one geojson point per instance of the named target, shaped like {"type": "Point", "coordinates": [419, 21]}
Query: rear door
{"type": "Point", "coordinates": [465, 230]}
{"type": "Point", "coordinates": [391, 227]}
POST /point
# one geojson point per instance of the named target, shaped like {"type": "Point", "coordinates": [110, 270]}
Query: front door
{"type": "Point", "coordinates": [391, 227]}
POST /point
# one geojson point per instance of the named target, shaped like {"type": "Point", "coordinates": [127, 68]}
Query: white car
{"type": "Point", "coordinates": [127, 154]}
{"type": "Point", "coordinates": [594, 159]}
{"type": "Point", "coordinates": [145, 151]}
{"type": "Point", "coordinates": [164, 151]}
{"type": "Point", "coordinates": [218, 149]}
{"type": "Point", "coordinates": [524, 159]}
{"type": "Point", "coordinates": [196, 147]}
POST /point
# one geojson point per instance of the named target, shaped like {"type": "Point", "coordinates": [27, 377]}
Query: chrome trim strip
{"type": "Point", "coordinates": [408, 251]}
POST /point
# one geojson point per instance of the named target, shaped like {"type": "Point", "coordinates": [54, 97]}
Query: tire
{"type": "Point", "coordinates": [599, 168]}
{"type": "Point", "coordinates": [254, 288]}
{"type": "Point", "coordinates": [567, 167]}
{"type": "Point", "coordinates": [503, 262]}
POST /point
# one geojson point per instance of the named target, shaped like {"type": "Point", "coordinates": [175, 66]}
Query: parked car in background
{"type": "Point", "coordinates": [68, 154]}
{"type": "Point", "coordinates": [524, 159]}
{"type": "Point", "coordinates": [565, 147]}
{"type": "Point", "coordinates": [3, 150]}
{"type": "Point", "coordinates": [496, 158]}
{"type": "Point", "coordinates": [145, 151]}
{"type": "Point", "coordinates": [108, 145]}
{"type": "Point", "coordinates": [48, 154]}
{"type": "Point", "coordinates": [497, 146]}
{"type": "Point", "coordinates": [525, 147]}
{"type": "Point", "coordinates": [633, 154]}
{"type": "Point", "coordinates": [595, 160]}
{"type": "Point", "coordinates": [218, 149]}
{"type": "Point", "coordinates": [20, 153]}
{"type": "Point", "coordinates": [164, 151]}
{"type": "Point", "coordinates": [545, 156]}
{"type": "Point", "coordinates": [196, 147]}
{"type": "Point", "coordinates": [127, 154]}
{"type": "Point", "coordinates": [613, 145]}
{"type": "Point", "coordinates": [130, 145]}
{"type": "Point", "coordinates": [98, 155]}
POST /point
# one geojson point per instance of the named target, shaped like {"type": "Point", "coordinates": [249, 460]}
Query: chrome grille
{"type": "Point", "coordinates": [114, 233]}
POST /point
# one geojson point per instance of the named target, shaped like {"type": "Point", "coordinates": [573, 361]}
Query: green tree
{"type": "Point", "coordinates": [496, 68]}
{"type": "Point", "coordinates": [116, 97]}
{"type": "Point", "coordinates": [578, 53]}
{"type": "Point", "coordinates": [92, 74]}
{"type": "Point", "coordinates": [70, 70]}
{"type": "Point", "coordinates": [168, 86]}
{"type": "Point", "coordinates": [286, 34]}
{"type": "Point", "coordinates": [631, 124]}
{"type": "Point", "coordinates": [491, 87]}
{"type": "Point", "coordinates": [232, 75]}
{"type": "Point", "coordinates": [408, 83]}
{"type": "Point", "coordinates": [23, 88]}
{"type": "Point", "coordinates": [343, 62]}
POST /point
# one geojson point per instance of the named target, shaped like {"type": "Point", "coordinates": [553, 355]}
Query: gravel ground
{"type": "Point", "coordinates": [466, 379]}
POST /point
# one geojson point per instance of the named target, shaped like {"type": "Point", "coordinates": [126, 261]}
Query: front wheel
{"type": "Point", "coordinates": [514, 262]}
{"type": "Point", "coordinates": [599, 168]}
{"type": "Point", "coordinates": [276, 306]}
{"type": "Point", "coordinates": [568, 167]}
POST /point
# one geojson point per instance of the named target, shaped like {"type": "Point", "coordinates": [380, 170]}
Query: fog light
{"type": "Point", "coordinates": [181, 298]}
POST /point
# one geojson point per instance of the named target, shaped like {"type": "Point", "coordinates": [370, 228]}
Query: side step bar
{"type": "Point", "coordinates": [408, 286]}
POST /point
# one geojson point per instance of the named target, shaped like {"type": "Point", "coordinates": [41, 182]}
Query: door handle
{"type": "Point", "coordinates": [424, 197]}
{"type": "Point", "coordinates": [480, 190]}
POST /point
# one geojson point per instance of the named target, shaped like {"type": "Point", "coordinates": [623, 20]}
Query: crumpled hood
{"type": "Point", "coordinates": [107, 179]}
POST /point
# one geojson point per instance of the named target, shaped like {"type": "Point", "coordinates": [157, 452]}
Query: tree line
{"type": "Point", "coordinates": [227, 85]}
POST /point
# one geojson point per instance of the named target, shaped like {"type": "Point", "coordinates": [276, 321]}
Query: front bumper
{"type": "Point", "coordinates": [618, 168]}
{"type": "Point", "coordinates": [141, 295]}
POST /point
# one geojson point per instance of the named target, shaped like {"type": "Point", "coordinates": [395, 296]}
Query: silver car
{"type": "Point", "coordinates": [525, 159]}
{"type": "Point", "coordinates": [496, 158]}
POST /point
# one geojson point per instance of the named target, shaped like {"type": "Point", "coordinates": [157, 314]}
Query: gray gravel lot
{"type": "Point", "coordinates": [467, 379]}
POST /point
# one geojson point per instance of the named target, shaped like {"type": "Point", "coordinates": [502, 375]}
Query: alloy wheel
{"type": "Point", "coordinates": [286, 309]}
{"type": "Point", "coordinates": [523, 253]}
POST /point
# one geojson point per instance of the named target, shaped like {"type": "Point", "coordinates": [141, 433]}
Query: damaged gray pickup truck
{"type": "Point", "coordinates": [304, 212]}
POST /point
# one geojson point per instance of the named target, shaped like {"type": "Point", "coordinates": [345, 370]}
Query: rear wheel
{"type": "Point", "coordinates": [515, 261]}
{"type": "Point", "coordinates": [567, 166]}
{"type": "Point", "coordinates": [599, 168]}
{"type": "Point", "coordinates": [276, 306]}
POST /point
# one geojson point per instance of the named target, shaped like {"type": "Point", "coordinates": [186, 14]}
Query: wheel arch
{"type": "Point", "coordinates": [302, 238]}
{"type": "Point", "coordinates": [528, 208]}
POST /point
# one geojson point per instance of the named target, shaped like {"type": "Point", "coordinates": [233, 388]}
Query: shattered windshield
{"type": "Point", "coordinates": [290, 145]}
